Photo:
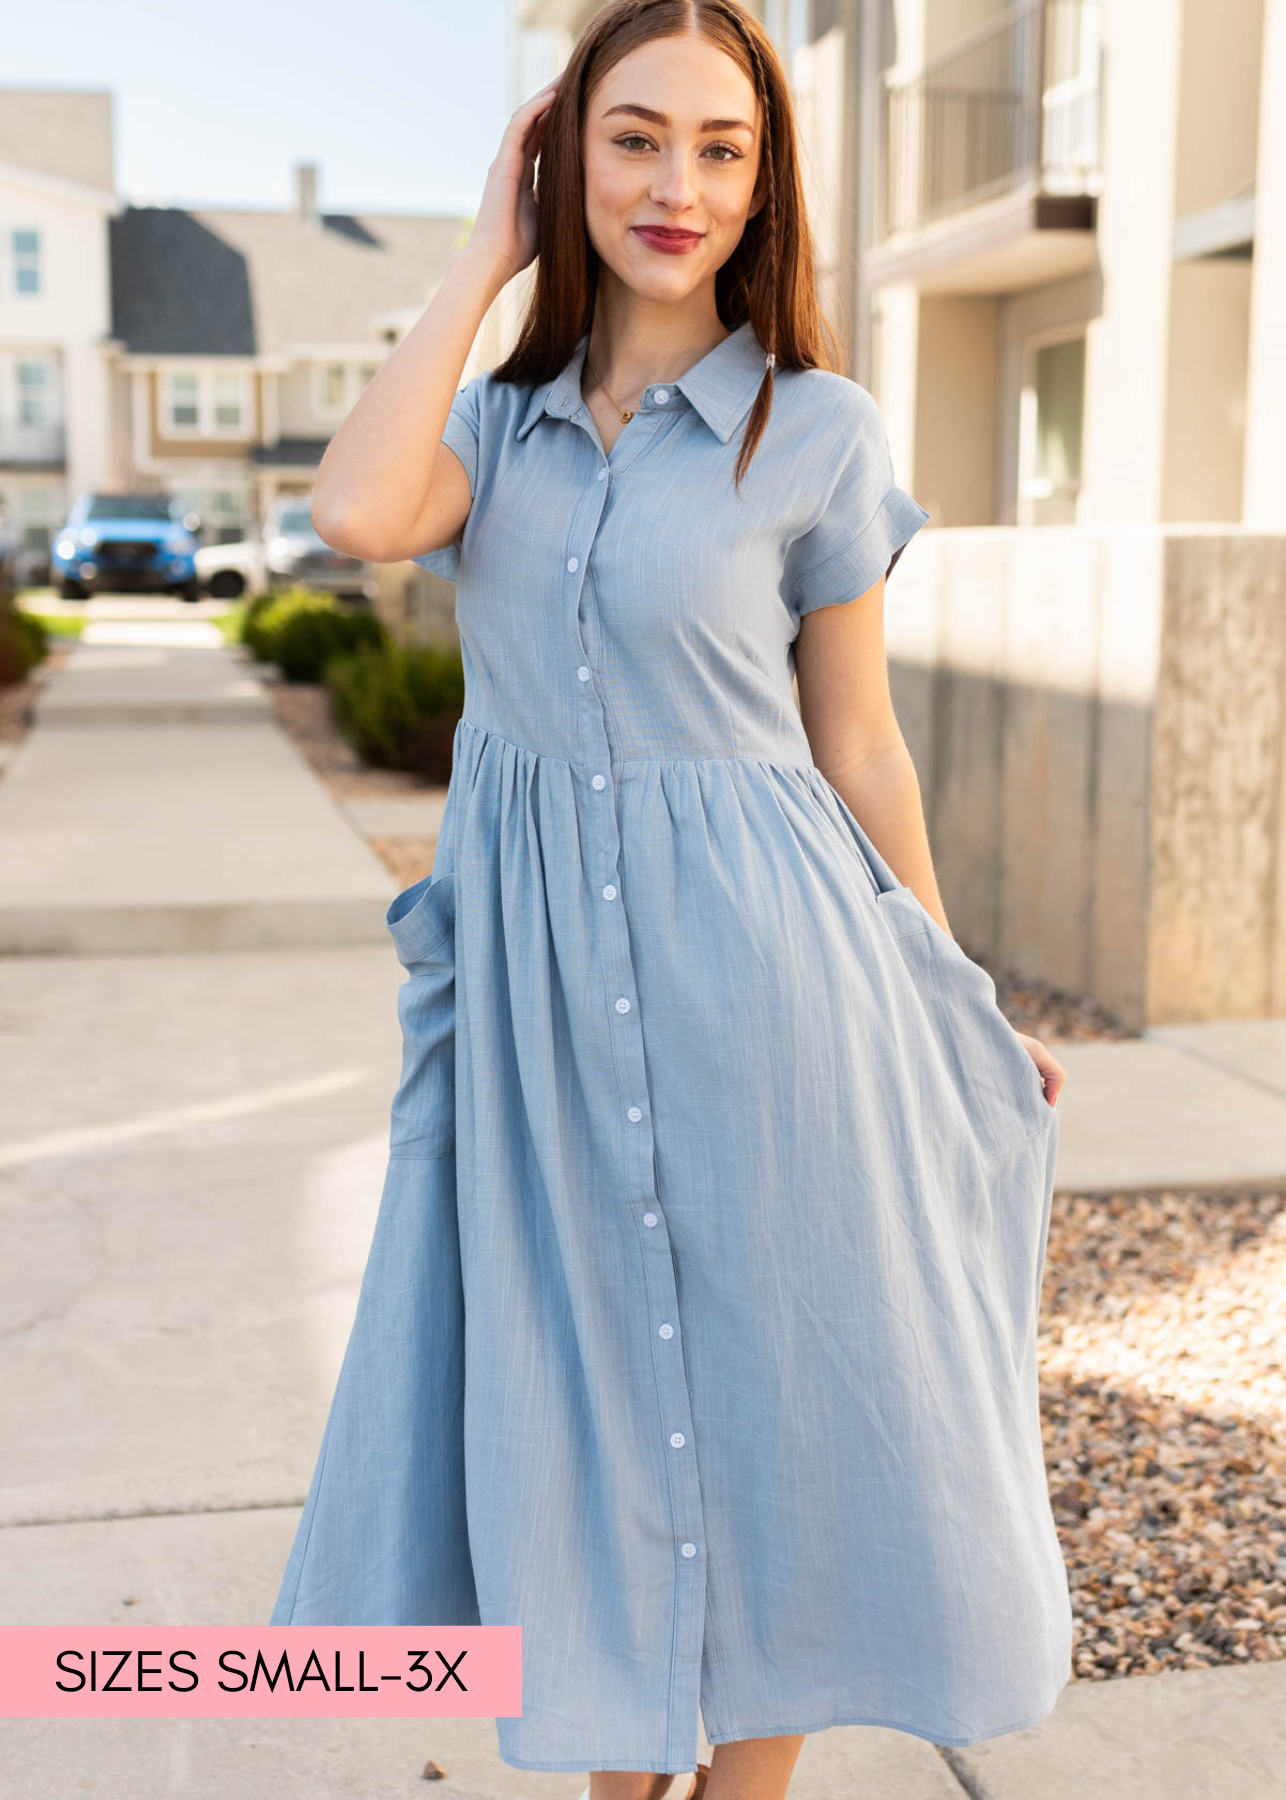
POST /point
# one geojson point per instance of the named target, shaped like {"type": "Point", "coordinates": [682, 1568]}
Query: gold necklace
{"type": "Point", "coordinates": [625, 416]}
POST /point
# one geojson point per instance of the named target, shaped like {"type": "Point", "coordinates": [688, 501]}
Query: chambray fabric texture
{"type": "Point", "coordinates": [697, 1335]}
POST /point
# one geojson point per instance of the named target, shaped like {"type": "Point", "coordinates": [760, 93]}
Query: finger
{"type": "Point", "coordinates": [537, 102]}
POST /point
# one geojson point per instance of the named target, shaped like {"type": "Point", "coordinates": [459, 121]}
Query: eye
{"type": "Point", "coordinates": [629, 138]}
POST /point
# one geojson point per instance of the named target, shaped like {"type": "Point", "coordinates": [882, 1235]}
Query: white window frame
{"type": "Point", "coordinates": [208, 381]}
{"type": "Point", "coordinates": [353, 384]}
{"type": "Point", "coordinates": [1029, 489]}
{"type": "Point", "coordinates": [25, 262]}
{"type": "Point", "coordinates": [12, 423]}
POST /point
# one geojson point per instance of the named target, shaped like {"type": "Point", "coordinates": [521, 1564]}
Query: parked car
{"type": "Point", "coordinates": [286, 553]}
{"type": "Point", "coordinates": [116, 542]}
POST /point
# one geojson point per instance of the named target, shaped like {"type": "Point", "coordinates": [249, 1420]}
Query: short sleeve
{"type": "Point", "coordinates": [864, 520]}
{"type": "Point", "coordinates": [460, 433]}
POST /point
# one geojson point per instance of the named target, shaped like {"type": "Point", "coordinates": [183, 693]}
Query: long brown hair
{"type": "Point", "coordinates": [769, 279]}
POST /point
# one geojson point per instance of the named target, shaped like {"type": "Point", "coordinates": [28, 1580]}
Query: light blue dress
{"type": "Point", "coordinates": [698, 1331]}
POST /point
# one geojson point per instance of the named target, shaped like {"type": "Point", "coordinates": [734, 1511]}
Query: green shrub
{"type": "Point", "coordinates": [301, 631]}
{"type": "Point", "coordinates": [252, 612]}
{"type": "Point", "coordinates": [23, 643]}
{"type": "Point", "coordinates": [399, 705]}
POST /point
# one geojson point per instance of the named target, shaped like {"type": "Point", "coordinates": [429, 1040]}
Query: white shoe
{"type": "Point", "coordinates": [677, 1790]}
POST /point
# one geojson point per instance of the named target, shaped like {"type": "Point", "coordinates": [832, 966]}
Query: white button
{"type": "Point", "coordinates": [665, 1331]}
{"type": "Point", "coordinates": [609, 892]}
{"type": "Point", "coordinates": [573, 563]}
{"type": "Point", "coordinates": [635, 1113]}
{"type": "Point", "coordinates": [582, 674]}
{"type": "Point", "coordinates": [677, 1439]}
{"type": "Point", "coordinates": [688, 1549]}
{"type": "Point", "coordinates": [622, 1005]}
{"type": "Point", "coordinates": [598, 782]}
{"type": "Point", "coordinates": [649, 1218]}
{"type": "Point", "coordinates": [601, 476]}
{"type": "Point", "coordinates": [661, 396]}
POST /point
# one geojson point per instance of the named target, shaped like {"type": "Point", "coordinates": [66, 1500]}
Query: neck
{"type": "Point", "coordinates": [634, 341]}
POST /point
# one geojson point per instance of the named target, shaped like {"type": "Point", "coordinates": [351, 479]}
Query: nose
{"type": "Point", "coordinates": [673, 185]}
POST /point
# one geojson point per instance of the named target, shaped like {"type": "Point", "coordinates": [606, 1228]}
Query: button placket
{"type": "Point", "coordinates": [639, 1201]}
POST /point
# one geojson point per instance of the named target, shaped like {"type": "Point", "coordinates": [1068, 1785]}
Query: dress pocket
{"type": "Point", "coordinates": [422, 917]}
{"type": "Point", "coordinates": [422, 921]}
{"type": "Point", "coordinates": [998, 1083]}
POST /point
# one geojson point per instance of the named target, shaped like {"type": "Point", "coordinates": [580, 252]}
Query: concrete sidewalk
{"type": "Point", "coordinates": [191, 1152]}
{"type": "Point", "coordinates": [157, 806]}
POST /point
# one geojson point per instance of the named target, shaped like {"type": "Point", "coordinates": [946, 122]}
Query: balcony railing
{"type": "Point", "coordinates": [1016, 103]}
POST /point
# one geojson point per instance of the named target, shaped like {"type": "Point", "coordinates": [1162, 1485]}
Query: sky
{"type": "Point", "coordinates": [400, 103]}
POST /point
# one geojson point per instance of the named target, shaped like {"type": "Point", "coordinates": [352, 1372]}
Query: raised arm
{"type": "Point", "coordinates": [388, 488]}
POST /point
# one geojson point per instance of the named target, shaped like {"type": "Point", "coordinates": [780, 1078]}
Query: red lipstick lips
{"type": "Point", "coordinates": [667, 238]}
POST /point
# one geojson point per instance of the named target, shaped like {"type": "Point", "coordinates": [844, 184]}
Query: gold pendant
{"type": "Point", "coordinates": [626, 417]}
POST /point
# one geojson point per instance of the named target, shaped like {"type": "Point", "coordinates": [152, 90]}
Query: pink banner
{"type": "Point", "coordinates": [278, 1671]}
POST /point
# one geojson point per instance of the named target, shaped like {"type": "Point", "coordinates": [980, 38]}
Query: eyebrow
{"type": "Point", "coordinates": [660, 118]}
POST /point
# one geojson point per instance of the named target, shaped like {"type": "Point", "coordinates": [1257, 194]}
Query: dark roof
{"type": "Point", "coordinates": [290, 450]}
{"type": "Point", "coordinates": [253, 283]}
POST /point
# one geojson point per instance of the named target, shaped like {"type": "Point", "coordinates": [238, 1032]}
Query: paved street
{"type": "Point", "coordinates": [198, 1046]}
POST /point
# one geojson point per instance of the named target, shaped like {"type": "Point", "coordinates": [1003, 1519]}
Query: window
{"type": "Point", "coordinates": [1053, 408]}
{"type": "Point", "coordinates": [206, 403]}
{"type": "Point", "coordinates": [185, 401]}
{"type": "Point", "coordinates": [30, 397]}
{"type": "Point", "coordinates": [227, 400]}
{"type": "Point", "coordinates": [295, 521]}
{"type": "Point", "coordinates": [131, 506]}
{"type": "Point", "coordinates": [337, 386]}
{"type": "Point", "coordinates": [32, 383]}
{"type": "Point", "coordinates": [25, 248]}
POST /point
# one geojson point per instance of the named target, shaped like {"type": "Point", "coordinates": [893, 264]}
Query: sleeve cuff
{"type": "Point", "coordinates": [873, 552]}
{"type": "Point", "coordinates": [444, 562]}
{"type": "Point", "coordinates": [457, 436]}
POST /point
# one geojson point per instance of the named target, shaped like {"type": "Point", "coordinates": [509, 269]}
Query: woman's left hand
{"type": "Point", "coordinates": [1052, 1072]}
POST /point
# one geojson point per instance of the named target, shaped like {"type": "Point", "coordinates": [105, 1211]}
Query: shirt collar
{"type": "Point", "coordinates": [721, 387]}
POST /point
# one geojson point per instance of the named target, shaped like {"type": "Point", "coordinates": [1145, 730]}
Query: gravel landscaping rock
{"type": "Point", "coordinates": [1164, 1408]}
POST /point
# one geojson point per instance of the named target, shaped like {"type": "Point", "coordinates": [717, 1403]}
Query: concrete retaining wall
{"type": "Point", "coordinates": [1098, 717]}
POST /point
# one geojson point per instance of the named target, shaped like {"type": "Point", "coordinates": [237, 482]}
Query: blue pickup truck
{"type": "Point", "coordinates": [113, 543]}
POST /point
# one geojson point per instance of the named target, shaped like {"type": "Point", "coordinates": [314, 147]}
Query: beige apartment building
{"type": "Point", "coordinates": [1052, 231]}
{"type": "Point", "coordinates": [1052, 237]}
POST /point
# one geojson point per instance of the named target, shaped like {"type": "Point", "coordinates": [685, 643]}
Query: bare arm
{"type": "Point", "coordinates": [388, 487]}
{"type": "Point", "coordinates": [857, 743]}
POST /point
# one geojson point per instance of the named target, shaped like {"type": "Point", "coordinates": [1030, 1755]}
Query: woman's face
{"type": "Point", "coordinates": [671, 140]}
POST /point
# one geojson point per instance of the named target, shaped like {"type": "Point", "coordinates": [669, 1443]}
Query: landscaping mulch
{"type": "Point", "coordinates": [407, 859]}
{"type": "Point", "coordinates": [1045, 1012]}
{"type": "Point", "coordinates": [1163, 1378]}
{"type": "Point", "coordinates": [18, 698]}
{"type": "Point", "coordinates": [303, 711]}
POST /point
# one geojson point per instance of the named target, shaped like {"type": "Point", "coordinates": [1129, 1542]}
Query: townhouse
{"type": "Point", "coordinates": [205, 352]}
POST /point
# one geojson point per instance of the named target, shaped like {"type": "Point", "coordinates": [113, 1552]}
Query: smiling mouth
{"type": "Point", "coordinates": [671, 232]}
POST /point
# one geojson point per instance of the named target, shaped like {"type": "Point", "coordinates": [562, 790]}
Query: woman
{"type": "Point", "coordinates": [714, 1166]}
